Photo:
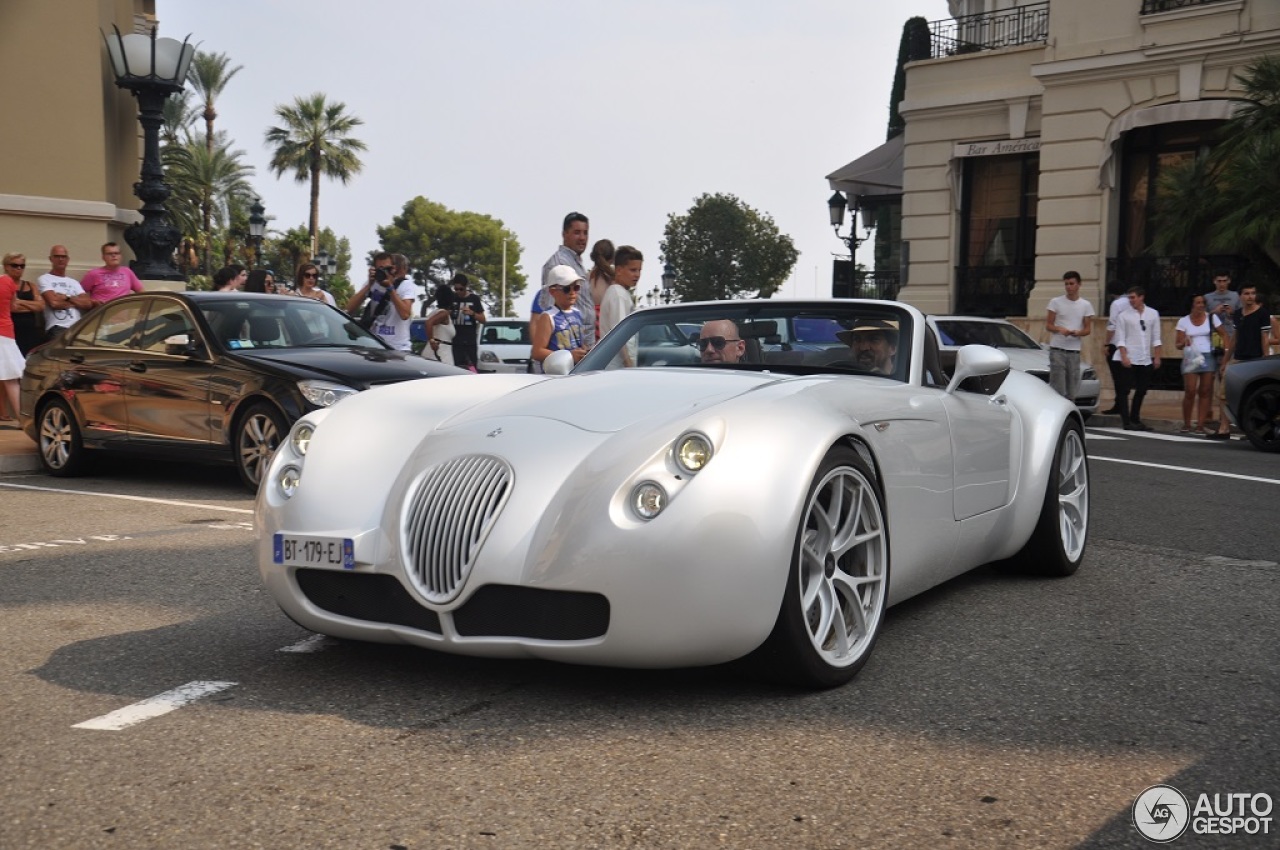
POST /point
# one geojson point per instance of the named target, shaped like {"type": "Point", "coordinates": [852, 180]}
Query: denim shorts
{"type": "Point", "coordinates": [1210, 364]}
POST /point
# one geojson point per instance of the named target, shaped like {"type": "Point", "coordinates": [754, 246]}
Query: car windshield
{"type": "Point", "coordinates": [871, 337]}
{"type": "Point", "coordinates": [958, 332]}
{"type": "Point", "coordinates": [283, 322]}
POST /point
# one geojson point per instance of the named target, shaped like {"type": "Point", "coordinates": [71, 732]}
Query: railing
{"type": "Point", "coordinates": [990, 30]}
{"type": "Point", "coordinates": [995, 291]}
{"type": "Point", "coordinates": [1151, 7]}
{"type": "Point", "coordinates": [858, 284]}
{"type": "Point", "coordinates": [1170, 281]}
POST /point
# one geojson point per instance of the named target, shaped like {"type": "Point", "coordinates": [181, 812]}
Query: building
{"type": "Point", "coordinates": [1035, 137]}
{"type": "Point", "coordinates": [67, 174]}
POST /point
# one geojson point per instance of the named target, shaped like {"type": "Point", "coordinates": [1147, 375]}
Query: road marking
{"type": "Point", "coordinates": [1188, 469]}
{"type": "Point", "coordinates": [171, 502]}
{"type": "Point", "coordinates": [315, 643]}
{"type": "Point", "coordinates": [158, 705]}
{"type": "Point", "coordinates": [1151, 435]}
{"type": "Point", "coordinates": [1103, 438]}
{"type": "Point", "coordinates": [1219, 560]}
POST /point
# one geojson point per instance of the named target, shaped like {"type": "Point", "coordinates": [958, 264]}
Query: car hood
{"type": "Point", "coordinates": [362, 367]}
{"type": "Point", "coordinates": [611, 401]}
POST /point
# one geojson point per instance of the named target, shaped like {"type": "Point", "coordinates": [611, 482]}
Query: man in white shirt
{"type": "Point", "coordinates": [391, 293]}
{"type": "Point", "coordinates": [1137, 341]}
{"type": "Point", "coordinates": [64, 297]}
{"type": "Point", "coordinates": [1070, 318]}
{"type": "Point", "coordinates": [1119, 303]}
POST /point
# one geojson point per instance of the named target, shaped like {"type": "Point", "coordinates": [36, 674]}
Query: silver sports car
{"type": "Point", "coordinates": [762, 486]}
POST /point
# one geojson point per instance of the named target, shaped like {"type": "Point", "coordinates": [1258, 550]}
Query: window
{"type": "Point", "coordinates": [118, 323]}
{"type": "Point", "coordinates": [165, 325]}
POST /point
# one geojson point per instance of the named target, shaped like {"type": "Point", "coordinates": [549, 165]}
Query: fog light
{"type": "Point", "coordinates": [302, 438]}
{"type": "Point", "coordinates": [693, 452]}
{"type": "Point", "coordinates": [648, 500]}
{"type": "Point", "coordinates": [289, 478]}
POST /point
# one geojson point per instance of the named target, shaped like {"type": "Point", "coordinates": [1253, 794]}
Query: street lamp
{"type": "Point", "coordinates": [152, 69]}
{"type": "Point", "coordinates": [835, 207]}
{"type": "Point", "coordinates": [327, 265]}
{"type": "Point", "coordinates": [257, 229]}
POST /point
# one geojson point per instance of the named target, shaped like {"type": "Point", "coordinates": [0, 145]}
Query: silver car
{"type": "Point", "coordinates": [504, 346]}
{"type": "Point", "coordinates": [1025, 354]}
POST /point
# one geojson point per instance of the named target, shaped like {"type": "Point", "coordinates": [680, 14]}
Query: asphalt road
{"type": "Point", "coordinates": [996, 712]}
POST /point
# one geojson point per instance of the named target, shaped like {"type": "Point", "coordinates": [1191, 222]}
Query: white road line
{"type": "Point", "coordinates": [158, 705]}
{"type": "Point", "coordinates": [1188, 469]}
{"type": "Point", "coordinates": [1103, 438]}
{"type": "Point", "coordinates": [1154, 435]}
{"type": "Point", "coordinates": [129, 498]}
{"type": "Point", "coordinates": [315, 643]}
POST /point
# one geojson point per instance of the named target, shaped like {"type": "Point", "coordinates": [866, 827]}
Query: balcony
{"type": "Point", "coordinates": [1152, 7]}
{"type": "Point", "coordinates": [848, 282]}
{"type": "Point", "coordinates": [1027, 24]}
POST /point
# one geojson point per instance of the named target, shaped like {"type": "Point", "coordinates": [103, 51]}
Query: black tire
{"type": "Point", "coordinates": [259, 432]}
{"type": "Point", "coordinates": [1057, 545]}
{"type": "Point", "coordinates": [58, 441]}
{"type": "Point", "coordinates": [1260, 418]}
{"type": "Point", "coordinates": [810, 645]}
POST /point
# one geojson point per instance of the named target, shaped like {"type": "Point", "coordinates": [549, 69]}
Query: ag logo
{"type": "Point", "coordinates": [1161, 813]}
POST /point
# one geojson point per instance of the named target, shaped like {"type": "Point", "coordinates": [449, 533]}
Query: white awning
{"type": "Point", "coordinates": [1169, 113]}
{"type": "Point", "coordinates": [877, 172]}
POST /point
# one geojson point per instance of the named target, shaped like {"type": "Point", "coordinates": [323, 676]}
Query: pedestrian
{"type": "Point", "coordinates": [1119, 303]}
{"type": "Point", "coordinates": [27, 307]}
{"type": "Point", "coordinates": [230, 278]}
{"type": "Point", "coordinates": [601, 276]}
{"type": "Point", "coordinates": [573, 241]}
{"type": "Point", "coordinates": [559, 328]}
{"type": "Point", "coordinates": [390, 294]}
{"type": "Point", "coordinates": [467, 314]}
{"type": "Point", "coordinates": [438, 328]}
{"type": "Point", "coordinates": [1069, 320]}
{"type": "Point", "coordinates": [1137, 341]}
{"type": "Point", "coordinates": [111, 280]}
{"type": "Point", "coordinates": [11, 359]}
{"type": "Point", "coordinates": [1250, 341]}
{"type": "Point", "coordinates": [1199, 366]}
{"type": "Point", "coordinates": [1221, 301]}
{"type": "Point", "coordinates": [307, 284]}
{"type": "Point", "coordinates": [64, 298]}
{"type": "Point", "coordinates": [261, 280]}
{"type": "Point", "coordinates": [619, 302]}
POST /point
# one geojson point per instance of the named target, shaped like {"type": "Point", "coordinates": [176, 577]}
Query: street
{"type": "Point", "coordinates": [154, 696]}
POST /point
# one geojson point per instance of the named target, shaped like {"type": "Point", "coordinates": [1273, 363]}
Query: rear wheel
{"type": "Point", "coordinates": [62, 451]}
{"type": "Point", "coordinates": [1260, 418]}
{"type": "Point", "coordinates": [838, 581]}
{"type": "Point", "coordinates": [1056, 547]}
{"type": "Point", "coordinates": [257, 437]}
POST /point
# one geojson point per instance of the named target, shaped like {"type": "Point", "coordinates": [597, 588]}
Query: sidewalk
{"type": "Point", "coordinates": [17, 450]}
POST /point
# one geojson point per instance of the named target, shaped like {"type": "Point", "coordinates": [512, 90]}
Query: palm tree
{"type": "Point", "coordinates": [209, 76]}
{"type": "Point", "coordinates": [315, 139]}
{"type": "Point", "coordinates": [179, 115]}
{"type": "Point", "coordinates": [207, 186]}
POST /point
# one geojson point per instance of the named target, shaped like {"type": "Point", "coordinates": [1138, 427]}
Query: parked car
{"type": "Point", "coordinates": [504, 346]}
{"type": "Point", "coordinates": [1025, 354]}
{"type": "Point", "coordinates": [210, 376]}
{"type": "Point", "coordinates": [1253, 400]}
{"type": "Point", "coordinates": [681, 513]}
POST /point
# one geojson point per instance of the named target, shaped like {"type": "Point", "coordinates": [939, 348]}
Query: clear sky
{"type": "Point", "coordinates": [626, 110]}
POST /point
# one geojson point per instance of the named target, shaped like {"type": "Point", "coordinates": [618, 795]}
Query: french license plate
{"type": "Point", "coordinates": [296, 550]}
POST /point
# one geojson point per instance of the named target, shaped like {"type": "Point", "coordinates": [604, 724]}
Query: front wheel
{"type": "Point", "coordinates": [838, 580]}
{"type": "Point", "coordinates": [1056, 547]}
{"type": "Point", "coordinates": [257, 437]}
{"type": "Point", "coordinates": [62, 451]}
{"type": "Point", "coordinates": [1260, 418]}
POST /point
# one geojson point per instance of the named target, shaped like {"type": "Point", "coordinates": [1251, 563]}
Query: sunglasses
{"type": "Point", "coordinates": [716, 342]}
{"type": "Point", "coordinates": [1143, 324]}
{"type": "Point", "coordinates": [569, 287]}
{"type": "Point", "coordinates": [16, 265]}
{"type": "Point", "coordinates": [311, 274]}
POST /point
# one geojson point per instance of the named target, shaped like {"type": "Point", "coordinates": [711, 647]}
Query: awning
{"type": "Point", "coordinates": [1169, 113]}
{"type": "Point", "coordinates": [877, 172]}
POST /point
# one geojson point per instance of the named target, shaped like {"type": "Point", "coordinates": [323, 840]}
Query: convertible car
{"type": "Point", "coordinates": [1253, 401]}
{"type": "Point", "coordinates": [767, 506]}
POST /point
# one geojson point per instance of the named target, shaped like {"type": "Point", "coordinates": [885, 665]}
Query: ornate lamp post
{"type": "Point", "coordinates": [257, 229]}
{"type": "Point", "coordinates": [668, 283]}
{"type": "Point", "coordinates": [152, 69]}
{"type": "Point", "coordinates": [328, 267]}
{"type": "Point", "coordinates": [835, 207]}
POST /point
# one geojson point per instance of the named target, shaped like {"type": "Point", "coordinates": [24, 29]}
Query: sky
{"type": "Point", "coordinates": [525, 110]}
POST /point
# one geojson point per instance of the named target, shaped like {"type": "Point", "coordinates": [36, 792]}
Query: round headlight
{"type": "Point", "coordinates": [648, 499]}
{"type": "Point", "coordinates": [302, 438]}
{"type": "Point", "coordinates": [693, 452]}
{"type": "Point", "coordinates": [288, 480]}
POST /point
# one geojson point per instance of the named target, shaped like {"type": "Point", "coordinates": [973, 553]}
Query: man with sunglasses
{"type": "Point", "coordinates": [720, 342]}
{"type": "Point", "coordinates": [467, 312]}
{"type": "Point", "coordinates": [1137, 342]}
{"type": "Point", "coordinates": [560, 327]}
{"type": "Point", "coordinates": [573, 239]}
{"type": "Point", "coordinates": [110, 280]}
{"type": "Point", "coordinates": [64, 298]}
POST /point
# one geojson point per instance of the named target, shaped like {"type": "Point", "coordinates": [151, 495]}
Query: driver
{"type": "Point", "coordinates": [720, 342]}
{"type": "Point", "coordinates": [874, 343]}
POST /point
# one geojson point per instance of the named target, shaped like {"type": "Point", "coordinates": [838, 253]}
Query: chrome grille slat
{"type": "Point", "coordinates": [450, 513]}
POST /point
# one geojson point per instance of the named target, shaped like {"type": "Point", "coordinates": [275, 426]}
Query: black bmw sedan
{"type": "Point", "coordinates": [207, 376]}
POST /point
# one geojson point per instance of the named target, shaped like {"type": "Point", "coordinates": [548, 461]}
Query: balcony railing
{"type": "Point", "coordinates": [1151, 7]}
{"type": "Point", "coordinates": [1027, 24]}
{"type": "Point", "coordinates": [1170, 281]}
{"type": "Point", "coordinates": [996, 291]}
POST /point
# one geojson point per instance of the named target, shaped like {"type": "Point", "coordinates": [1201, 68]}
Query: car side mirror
{"type": "Point", "coordinates": [181, 344]}
{"type": "Point", "coordinates": [982, 366]}
{"type": "Point", "coordinates": [558, 362]}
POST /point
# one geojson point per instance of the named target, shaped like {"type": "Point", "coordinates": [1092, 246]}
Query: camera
{"type": "Point", "coordinates": [381, 274]}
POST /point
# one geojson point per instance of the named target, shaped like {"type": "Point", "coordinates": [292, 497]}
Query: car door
{"type": "Point", "coordinates": [981, 430]}
{"type": "Point", "coordinates": [96, 371]}
{"type": "Point", "coordinates": [167, 388]}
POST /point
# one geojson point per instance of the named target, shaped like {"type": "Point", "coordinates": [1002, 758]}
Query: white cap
{"type": "Point", "coordinates": [563, 276]}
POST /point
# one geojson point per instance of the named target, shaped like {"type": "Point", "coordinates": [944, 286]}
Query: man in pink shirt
{"type": "Point", "coordinates": [112, 280]}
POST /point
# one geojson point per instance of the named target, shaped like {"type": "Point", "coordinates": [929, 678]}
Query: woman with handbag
{"type": "Point", "coordinates": [1199, 365]}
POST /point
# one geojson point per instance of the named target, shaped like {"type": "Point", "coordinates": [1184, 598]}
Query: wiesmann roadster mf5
{"type": "Point", "coordinates": [767, 479]}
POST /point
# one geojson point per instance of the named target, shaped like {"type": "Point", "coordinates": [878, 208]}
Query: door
{"type": "Point", "coordinates": [981, 431]}
{"type": "Point", "coordinates": [167, 388]}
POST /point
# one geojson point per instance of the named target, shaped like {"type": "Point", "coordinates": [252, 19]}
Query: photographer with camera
{"type": "Point", "coordinates": [388, 300]}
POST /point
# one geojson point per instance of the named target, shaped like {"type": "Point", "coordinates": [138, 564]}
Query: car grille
{"type": "Point", "coordinates": [373, 598]}
{"type": "Point", "coordinates": [450, 514]}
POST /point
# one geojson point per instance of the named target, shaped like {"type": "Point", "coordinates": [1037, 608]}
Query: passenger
{"type": "Point", "coordinates": [720, 342]}
{"type": "Point", "coordinates": [560, 327]}
{"type": "Point", "coordinates": [874, 344]}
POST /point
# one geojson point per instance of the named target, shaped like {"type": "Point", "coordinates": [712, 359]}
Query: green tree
{"type": "Point", "coordinates": [915, 45]}
{"type": "Point", "coordinates": [722, 248]}
{"type": "Point", "coordinates": [314, 140]}
{"type": "Point", "coordinates": [179, 116]}
{"type": "Point", "coordinates": [207, 185]}
{"type": "Point", "coordinates": [441, 242]}
{"type": "Point", "coordinates": [209, 74]}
